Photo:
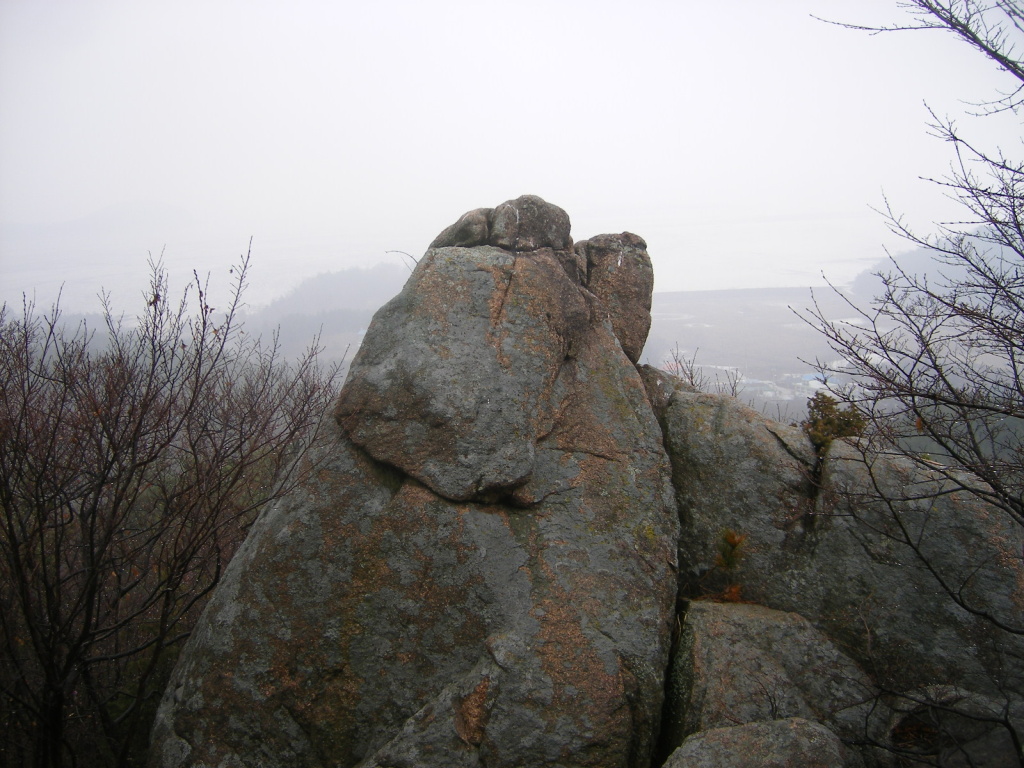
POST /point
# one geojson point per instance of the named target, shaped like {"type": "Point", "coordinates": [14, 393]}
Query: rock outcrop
{"type": "Point", "coordinates": [484, 571]}
{"type": "Point", "coordinates": [619, 272]}
{"type": "Point", "coordinates": [520, 549]}
{"type": "Point", "coordinates": [914, 591]}
{"type": "Point", "coordinates": [789, 743]}
{"type": "Point", "coordinates": [744, 663]}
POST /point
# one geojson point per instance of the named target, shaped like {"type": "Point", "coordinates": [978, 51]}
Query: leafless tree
{"type": "Point", "coordinates": [689, 371]}
{"type": "Point", "coordinates": [937, 359]}
{"type": "Point", "coordinates": [132, 462]}
{"type": "Point", "coordinates": [934, 362]}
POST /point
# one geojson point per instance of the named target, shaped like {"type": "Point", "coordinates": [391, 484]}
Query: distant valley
{"type": "Point", "coordinates": [755, 333]}
{"type": "Point", "coordinates": [752, 333]}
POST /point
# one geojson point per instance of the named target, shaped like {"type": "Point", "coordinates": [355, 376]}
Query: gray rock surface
{"type": "Point", "coordinates": [485, 571]}
{"type": "Point", "coordinates": [930, 575]}
{"type": "Point", "coordinates": [953, 728]}
{"type": "Point", "coordinates": [472, 228]}
{"type": "Point", "coordinates": [789, 743]}
{"type": "Point", "coordinates": [818, 545]}
{"type": "Point", "coordinates": [527, 223]}
{"type": "Point", "coordinates": [620, 274]}
{"type": "Point", "coordinates": [742, 663]}
{"type": "Point", "coordinates": [818, 542]}
{"type": "Point", "coordinates": [455, 379]}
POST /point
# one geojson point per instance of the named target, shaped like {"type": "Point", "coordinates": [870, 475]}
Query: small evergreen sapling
{"type": "Point", "coordinates": [826, 421]}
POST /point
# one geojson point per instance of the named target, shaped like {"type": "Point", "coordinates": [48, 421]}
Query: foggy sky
{"type": "Point", "coordinates": [745, 141]}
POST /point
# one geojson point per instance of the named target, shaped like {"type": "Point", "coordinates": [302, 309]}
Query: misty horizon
{"type": "Point", "coordinates": [340, 135]}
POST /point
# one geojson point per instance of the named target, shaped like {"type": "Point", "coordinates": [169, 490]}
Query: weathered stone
{"type": "Point", "coordinates": [472, 228]}
{"type": "Point", "coordinates": [454, 379]}
{"type": "Point", "coordinates": [741, 663]}
{"type": "Point", "coordinates": [789, 743]}
{"type": "Point", "coordinates": [483, 568]}
{"type": "Point", "coordinates": [506, 601]}
{"type": "Point", "coordinates": [819, 542]}
{"type": "Point", "coordinates": [930, 574]}
{"type": "Point", "coordinates": [528, 223]}
{"type": "Point", "coordinates": [620, 274]}
{"type": "Point", "coordinates": [735, 469]}
{"type": "Point", "coordinates": [955, 728]}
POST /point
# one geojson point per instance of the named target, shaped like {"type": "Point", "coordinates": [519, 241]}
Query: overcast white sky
{"type": "Point", "coordinates": [744, 140]}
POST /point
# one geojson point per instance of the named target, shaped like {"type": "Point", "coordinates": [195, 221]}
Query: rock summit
{"type": "Point", "coordinates": [515, 551]}
{"type": "Point", "coordinates": [484, 571]}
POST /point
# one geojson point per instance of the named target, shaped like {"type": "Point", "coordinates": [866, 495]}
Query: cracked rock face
{"type": "Point", "coordinates": [462, 376]}
{"type": "Point", "coordinates": [817, 541]}
{"type": "Point", "coordinates": [619, 272]}
{"type": "Point", "coordinates": [527, 223]}
{"type": "Point", "coordinates": [455, 381]}
{"type": "Point", "coordinates": [787, 743]}
{"type": "Point", "coordinates": [483, 569]}
{"type": "Point", "coordinates": [743, 663]}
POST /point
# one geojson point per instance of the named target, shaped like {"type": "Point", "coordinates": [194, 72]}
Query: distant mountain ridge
{"type": "Point", "coordinates": [755, 332]}
{"type": "Point", "coordinates": [748, 328]}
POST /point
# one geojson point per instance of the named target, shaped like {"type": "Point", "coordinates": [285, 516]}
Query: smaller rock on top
{"type": "Point", "coordinates": [527, 223]}
{"type": "Point", "coordinates": [619, 273]}
{"type": "Point", "coordinates": [614, 269]}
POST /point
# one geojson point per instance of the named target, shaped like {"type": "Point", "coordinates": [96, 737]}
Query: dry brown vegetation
{"type": "Point", "coordinates": [132, 462]}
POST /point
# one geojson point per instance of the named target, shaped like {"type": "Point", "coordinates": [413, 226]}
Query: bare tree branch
{"type": "Point", "coordinates": [129, 474]}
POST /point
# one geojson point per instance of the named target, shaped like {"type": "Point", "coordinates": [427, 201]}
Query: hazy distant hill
{"type": "Point", "coordinates": [754, 333]}
{"type": "Point", "coordinates": [755, 330]}
{"type": "Point", "coordinates": [337, 305]}
{"type": "Point", "coordinates": [752, 330]}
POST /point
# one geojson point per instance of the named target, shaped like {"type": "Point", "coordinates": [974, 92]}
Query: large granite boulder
{"type": "Point", "coordinates": [527, 223]}
{"type": "Point", "coordinates": [742, 663]}
{"type": "Point", "coordinates": [486, 567]}
{"type": "Point", "coordinates": [922, 590]}
{"type": "Point", "coordinates": [789, 743]}
{"type": "Point", "coordinates": [483, 572]}
{"type": "Point", "coordinates": [620, 274]}
{"type": "Point", "coordinates": [453, 383]}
